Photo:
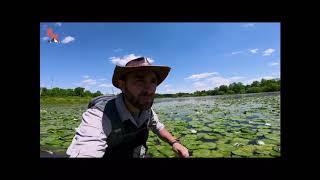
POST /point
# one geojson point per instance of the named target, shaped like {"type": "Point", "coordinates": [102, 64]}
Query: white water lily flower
{"type": "Point", "coordinates": [48, 151]}
{"type": "Point", "coordinates": [236, 144]}
{"type": "Point", "coordinates": [261, 143]}
{"type": "Point", "coordinates": [193, 131]}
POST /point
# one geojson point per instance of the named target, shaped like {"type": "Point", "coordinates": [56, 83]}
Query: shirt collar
{"type": "Point", "coordinates": [126, 115]}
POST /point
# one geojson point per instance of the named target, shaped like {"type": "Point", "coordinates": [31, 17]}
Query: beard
{"type": "Point", "coordinates": [142, 101]}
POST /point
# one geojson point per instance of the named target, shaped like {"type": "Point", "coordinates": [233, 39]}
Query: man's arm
{"type": "Point", "coordinates": [166, 136]}
{"type": "Point", "coordinates": [90, 140]}
{"type": "Point", "coordinates": [176, 146]}
{"type": "Point", "coordinates": [159, 129]}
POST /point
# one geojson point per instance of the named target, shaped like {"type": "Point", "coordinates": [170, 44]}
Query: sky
{"type": "Point", "coordinates": [202, 56]}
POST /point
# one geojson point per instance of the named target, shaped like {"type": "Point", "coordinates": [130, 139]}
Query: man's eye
{"type": "Point", "coordinates": [153, 81]}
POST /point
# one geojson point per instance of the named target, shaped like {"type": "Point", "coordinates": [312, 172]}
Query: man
{"type": "Point", "coordinates": [118, 127]}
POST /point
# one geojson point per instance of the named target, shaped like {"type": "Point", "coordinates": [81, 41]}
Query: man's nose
{"type": "Point", "coordinates": [150, 87]}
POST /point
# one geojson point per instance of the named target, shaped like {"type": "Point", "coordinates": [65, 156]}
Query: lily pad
{"type": "Point", "coordinates": [246, 151]}
{"type": "Point", "coordinates": [226, 147]}
{"type": "Point", "coordinates": [201, 153]}
{"type": "Point", "coordinates": [207, 145]}
{"type": "Point", "coordinates": [273, 137]}
{"type": "Point", "coordinates": [224, 153]}
{"type": "Point", "coordinates": [240, 140]}
{"type": "Point", "coordinates": [217, 154]}
{"type": "Point", "coordinates": [275, 153]}
{"type": "Point", "coordinates": [166, 151]}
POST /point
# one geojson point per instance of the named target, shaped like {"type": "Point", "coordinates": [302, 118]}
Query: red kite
{"type": "Point", "coordinates": [53, 36]}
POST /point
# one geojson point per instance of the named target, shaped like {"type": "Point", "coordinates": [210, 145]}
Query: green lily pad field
{"type": "Point", "coordinates": [228, 126]}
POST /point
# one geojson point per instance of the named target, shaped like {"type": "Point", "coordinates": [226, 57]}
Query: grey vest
{"type": "Point", "coordinates": [125, 139]}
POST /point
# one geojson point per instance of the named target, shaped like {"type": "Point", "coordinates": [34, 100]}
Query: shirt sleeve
{"type": "Point", "coordinates": [90, 139]}
{"type": "Point", "coordinates": [155, 125]}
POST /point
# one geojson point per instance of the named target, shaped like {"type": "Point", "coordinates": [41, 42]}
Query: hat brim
{"type": "Point", "coordinates": [161, 72]}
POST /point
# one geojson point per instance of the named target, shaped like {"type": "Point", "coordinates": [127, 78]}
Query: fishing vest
{"type": "Point", "coordinates": [125, 139]}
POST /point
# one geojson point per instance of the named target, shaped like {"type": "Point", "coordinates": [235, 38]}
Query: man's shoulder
{"type": "Point", "coordinates": [100, 102]}
{"type": "Point", "coordinates": [92, 114]}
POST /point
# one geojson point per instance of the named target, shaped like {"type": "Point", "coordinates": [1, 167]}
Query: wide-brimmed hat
{"type": "Point", "coordinates": [139, 64]}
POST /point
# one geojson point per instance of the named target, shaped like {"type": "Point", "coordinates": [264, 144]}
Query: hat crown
{"type": "Point", "coordinates": [138, 62]}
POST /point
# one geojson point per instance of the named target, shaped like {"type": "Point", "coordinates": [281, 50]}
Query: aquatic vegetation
{"type": "Point", "coordinates": [210, 127]}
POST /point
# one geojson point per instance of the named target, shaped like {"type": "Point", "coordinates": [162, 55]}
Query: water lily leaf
{"type": "Point", "coordinates": [217, 154]}
{"type": "Point", "coordinates": [201, 153]}
{"type": "Point", "coordinates": [246, 151]}
{"type": "Point", "coordinates": [208, 145]}
{"type": "Point", "coordinates": [226, 147]}
{"type": "Point", "coordinates": [240, 140]}
{"type": "Point", "coordinates": [275, 153]}
{"type": "Point", "coordinates": [273, 137]}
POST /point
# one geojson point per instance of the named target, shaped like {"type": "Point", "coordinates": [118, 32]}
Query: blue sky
{"type": "Point", "coordinates": [202, 55]}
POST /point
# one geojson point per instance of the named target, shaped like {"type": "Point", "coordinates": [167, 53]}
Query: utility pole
{"type": "Point", "coordinates": [51, 82]}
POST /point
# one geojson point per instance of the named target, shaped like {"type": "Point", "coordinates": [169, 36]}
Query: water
{"type": "Point", "coordinates": [214, 115]}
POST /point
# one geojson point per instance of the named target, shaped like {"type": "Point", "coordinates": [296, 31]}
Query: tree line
{"type": "Point", "coordinates": [59, 92]}
{"type": "Point", "coordinates": [234, 88]}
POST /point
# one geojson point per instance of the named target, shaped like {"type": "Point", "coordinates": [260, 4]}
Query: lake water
{"type": "Point", "coordinates": [219, 121]}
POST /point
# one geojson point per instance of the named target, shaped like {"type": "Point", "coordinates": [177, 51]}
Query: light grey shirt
{"type": "Point", "coordinates": [92, 133]}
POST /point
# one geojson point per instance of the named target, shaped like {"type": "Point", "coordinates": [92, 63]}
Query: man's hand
{"type": "Point", "coordinates": [177, 147]}
{"type": "Point", "coordinates": [181, 150]}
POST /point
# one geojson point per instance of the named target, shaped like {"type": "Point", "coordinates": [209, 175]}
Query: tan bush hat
{"type": "Point", "coordinates": [139, 64]}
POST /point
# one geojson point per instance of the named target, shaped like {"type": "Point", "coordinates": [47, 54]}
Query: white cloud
{"type": "Point", "coordinates": [166, 88]}
{"type": "Point", "coordinates": [201, 76]}
{"type": "Point", "coordinates": [68, 39]}
{"type": "Point", "coordinates": [218, 81]}
{"type": "Point", "coordinates": [210, 83]}
{"type": "Point", "coordinates": [259, 79]}
{"type": "Point", "coordinates": [206, 81]}
{"type": "Point", "coordinates": [236, 52]}
{"type": "Point", "coordinates": [103, 79]}
{"type": "Point", "coordinates": [235, 78]}
{"type": "Point", "coordinates": [200, 86]}
{"type": "Point", "coordinates": [248, 25]}
{"type": "Point", "coordinates": [253, 51]}
{"type": "Point", "coordinates": [105, 85]}
{"type": "Point", "coordinates": [274, 64]}
{"type": "Point", "coordinates": [58, 24]}
{"type": "Point", "coordinates": [150, 60]}
{"type": "Point", "coordinates": [89, 82]}
{"type": "Point", "coordinates": [46, 38]}
{"type": "Point", "coordinates": [86, 76]}
{"type": "Point", "coordinates": [170, 89]}
{"type": "Point", "coordinates": [122, 61]}
{"type": "Point", "coordinates": [42, 84]}
{"type": "Point", "coordinates": [268, 52]}
{"type": "Point", "coordinates": [117, 50]}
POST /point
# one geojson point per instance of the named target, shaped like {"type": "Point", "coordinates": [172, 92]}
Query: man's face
{"type": "Point", "coordinates": [139, 88]}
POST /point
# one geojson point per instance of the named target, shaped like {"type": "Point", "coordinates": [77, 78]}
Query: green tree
{"type": "Point", "coordinates": [98, 93]}
{"type": "Point", "coordinates": [255, 84]}
{"type": "Point", "coordinates": [87, 93]}
{"type": "Point", "coordinates": [223, 88]}
{"type": "Point", "coordinates": [254, 90]}
{"type": "Point", "coordinates": [79, 91]}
